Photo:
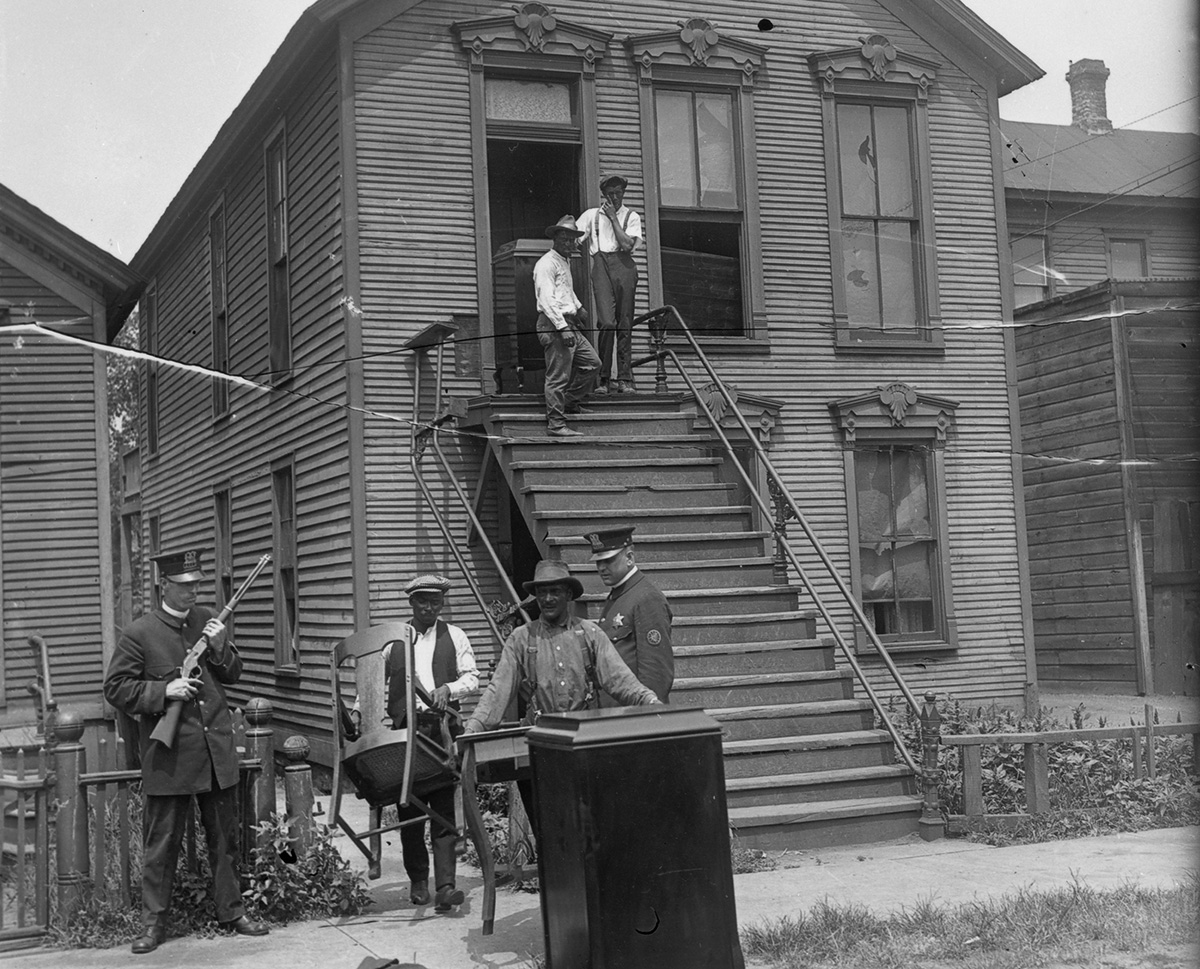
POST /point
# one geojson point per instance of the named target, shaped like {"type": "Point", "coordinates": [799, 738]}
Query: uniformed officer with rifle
{"type": "Point", "coordinates": [173, 664]}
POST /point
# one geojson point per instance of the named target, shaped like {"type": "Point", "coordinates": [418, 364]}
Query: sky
{"type": "Point", "coordinates": [107, 105]}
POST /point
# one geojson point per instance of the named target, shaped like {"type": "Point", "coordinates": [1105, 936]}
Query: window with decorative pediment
{"type": "Point", "coordinates": [883, 252]}
{"type": "Point", "coordinates": [893, 441]}
{"type": "Point", "coordinates": [698, 149]}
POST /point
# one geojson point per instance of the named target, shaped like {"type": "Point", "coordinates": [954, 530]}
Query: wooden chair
{"type": "Point", "coordinates": [385, 765]}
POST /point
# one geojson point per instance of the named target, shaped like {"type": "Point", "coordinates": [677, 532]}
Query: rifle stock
{"type": "Point", "coordinates": [168, 724]}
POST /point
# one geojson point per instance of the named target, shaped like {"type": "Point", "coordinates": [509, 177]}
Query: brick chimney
{"type": "Point", "coordinates": [1089, 105]}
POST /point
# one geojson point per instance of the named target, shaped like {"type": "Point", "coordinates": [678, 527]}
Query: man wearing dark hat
{"type": "Point", "coordinates": [142, 678]}
{"type": "Point", "coordinates": [613, 231]}
{"type": "Point", "coordinates": [636, 616]}
{"type": "Point", "coordinates": [445, 667]}
{"type": "Point", "coordinates": [571, 363]}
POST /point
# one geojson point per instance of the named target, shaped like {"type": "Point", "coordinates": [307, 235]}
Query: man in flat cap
{"type": "Point", "coordinates": [636, 616]}
{"type": "Point", "coordinates": [572, 366]}
{"type": "Point", "coordinates": [613, 231]}
{"type": "Point", "coordinates": [558, 662]}
{"type": "Point", "coordinates": [445, 667]}
{"type": "Point", "coordinates": [143, 677]}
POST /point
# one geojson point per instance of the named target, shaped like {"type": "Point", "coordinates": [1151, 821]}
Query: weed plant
{"type": "Point", "coordinates": [1092, 786]}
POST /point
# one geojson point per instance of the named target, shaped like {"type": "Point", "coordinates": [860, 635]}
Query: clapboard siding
{"type": "Point", "coordinates": [418, 265]}
{"type": "Point", "coordinates": [303, 418]}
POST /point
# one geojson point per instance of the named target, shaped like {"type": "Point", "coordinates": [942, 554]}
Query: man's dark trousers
{"type": "Point", "coordinates": [614, 282]}
{"type": "Point", "coordinates": [571, 372]}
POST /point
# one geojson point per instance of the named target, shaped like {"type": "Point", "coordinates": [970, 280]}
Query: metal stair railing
{"type": "Point", "coordinates": [424, 435]}
{"type": "Point", "coordinates": [657, 321]}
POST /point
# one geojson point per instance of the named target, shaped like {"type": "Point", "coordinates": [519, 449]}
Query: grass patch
{"type": "Point", "coordinates": [1020, 931]}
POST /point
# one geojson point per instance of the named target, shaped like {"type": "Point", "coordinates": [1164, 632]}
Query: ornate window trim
{"type": "Point", "coordinates": [696, 54]}
{"type": "Point", "coordinates": [533, 28]}
{"type": "Point", "coordinates": [897, 414]}
{"type": "Point", "coordinates": [876, 71]}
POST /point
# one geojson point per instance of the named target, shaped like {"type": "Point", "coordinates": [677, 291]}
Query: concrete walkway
{"type": "Point", "coordinates": [882, 878]}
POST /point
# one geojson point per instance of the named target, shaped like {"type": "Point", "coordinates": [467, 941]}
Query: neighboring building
{"type": "Point", "coordinates": [1104, 241]}
{"type": "Point", "coordinates": [822, 194]}
{"type": "Point", "coordinates": [56, 557]}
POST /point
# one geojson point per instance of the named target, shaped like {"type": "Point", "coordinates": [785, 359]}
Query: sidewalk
{"type": "Point", "coordinates": [882, 878]}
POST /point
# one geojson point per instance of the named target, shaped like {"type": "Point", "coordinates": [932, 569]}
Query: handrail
{"type": "Point", "coordinates": [428, 433]}
{"type": "Point", "coordinates": [658, 334]}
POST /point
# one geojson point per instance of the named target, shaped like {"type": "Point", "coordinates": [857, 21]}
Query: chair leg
{"type": "Point", "coordinates": [474, 820]}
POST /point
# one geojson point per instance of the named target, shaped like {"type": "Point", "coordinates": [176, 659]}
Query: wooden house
{"type": "Point", "coordinates": [1104, 243]}
{"type": "Point", "coordinates": [56, 555]}
{"type": "Point", "coordinates": [829, 172]}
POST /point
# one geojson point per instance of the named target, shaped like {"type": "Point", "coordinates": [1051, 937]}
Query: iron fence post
{"type": "Point", "coordinates": [298, 792]}
{"type": "Point", "coordinates": [70, 822]}
{"type": "Point", "coordinates": [260, 743]}
{"type": "Point", "coordinates": [931, 825]}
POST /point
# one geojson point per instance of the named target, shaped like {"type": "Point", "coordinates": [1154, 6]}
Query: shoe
{"type": "Point", "coordinates": [601, 389]}
{"type": "Point", "coordinates": [577, 409]}
{"type": "Point", "coordinates": [149, 940]}
{"type": "Point", "coordinates": [243, 925]}
{"type": "Point", "coordinates": [563, 432]}
{"type": "Point", "coordinates": [419, 893]}
{"type": "Point", "coordinates": [447, 898]}
{"type": "Point", "coordinates": [627, 387]}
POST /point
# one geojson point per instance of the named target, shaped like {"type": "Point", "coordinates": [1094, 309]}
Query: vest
{"type": "Point", "coordinates": [445, 670]}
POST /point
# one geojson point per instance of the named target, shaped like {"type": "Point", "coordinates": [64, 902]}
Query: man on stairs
{"type": "Point", "coordinates": [636, 616]}
{"type": "Point", "coordinates": [571, 362]}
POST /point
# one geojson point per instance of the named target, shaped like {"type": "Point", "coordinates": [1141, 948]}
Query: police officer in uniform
{"type": "Point", "coordinates": [636, 616]}
{"type": "Point", "coordinates": [143, 678]}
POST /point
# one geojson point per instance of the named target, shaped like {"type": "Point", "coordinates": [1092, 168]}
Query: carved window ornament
{"type": "Point", "coordinates": [895, 410]}
{"type": "Point", "coordinates": [532, 28]}
{"type": "Point", "coordinates": [875, 59]}
{"type": "Point", "coordinates": [696, 43]}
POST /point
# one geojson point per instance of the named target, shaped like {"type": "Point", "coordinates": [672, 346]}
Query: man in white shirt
{"type": "Point", "coordinates": [613, 231]}
{"type": "Point", "coordinates": [571, 362]}
{"type": "Point", "coordinates": [445, 667]}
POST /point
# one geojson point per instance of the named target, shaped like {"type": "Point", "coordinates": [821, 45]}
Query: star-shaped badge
{"type": "Point", "coordinates": [618, 619]}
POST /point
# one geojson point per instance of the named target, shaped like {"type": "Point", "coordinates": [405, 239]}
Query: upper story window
{"type": "Point", "coordinates": [531, 103]}
{"type": "Point", "coordinates": [278, 285]}
{"type": "Point", "coordinates": [218, 300]}
{"type": "Point", "coordinates": [223, 547]}
{"type": "Point", "coordinates": [287, 593]}
{"type": "Point", "coordinates": [878, 172]}
{"type": "Point", "coordinates": [1031, 274]}
{"type": "Point", "coordinates": [149, 324]}
{"type": "Point", "coordinates": [896, 496]}
{"type": "Point", "coordinates": [1128, 258]}
{"type": "Point", "coordinates": [704, 249]}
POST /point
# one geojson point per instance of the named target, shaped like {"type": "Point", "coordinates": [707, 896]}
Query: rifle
{"type": "Point", "coordinates": [168, 724]}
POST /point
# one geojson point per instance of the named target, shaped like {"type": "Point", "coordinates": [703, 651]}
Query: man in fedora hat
{"type": "Point", "coordinates": [636, 616]}
{"type": "Point", "coordinates": [613, 231]}
{"type": "Point", "coordinates": [571, 363]}
{"type": "Point", "coordinates": [445, 668]}
{"type": "Point", "coordinates": [558, 663]}
{"type": "Point", "coordinates": [143, 677]}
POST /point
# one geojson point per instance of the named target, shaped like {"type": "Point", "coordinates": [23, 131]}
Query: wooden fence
{"type": "Point", "coordinates": [1036, 761]}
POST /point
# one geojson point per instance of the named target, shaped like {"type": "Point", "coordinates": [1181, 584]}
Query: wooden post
{"type": "Point", "coordinates": [1150, 755]}
{"type": "Point", "coordinates": [972, 762]}
{"type": "Point", "coordinates": [260, 743]}
{"type": "Point", "coordinates": [1135, 735]}
{"type": "Point", "coordinates": [931, 825]}
{"type": "Point", "coordinates": [70, 761]}
{"type": "Point", "coordinates": [298, 794]}
{"type": "Point", "coordinates": [1037, 779]}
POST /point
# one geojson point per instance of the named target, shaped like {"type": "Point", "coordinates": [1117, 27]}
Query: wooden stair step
{"type": "Point", "coordinates": [815, 708]}
{"type": "Point", "coordinates": [825, 741]}
{"type": "Point", "coordinates": [706, 659]}
{"type": "Point", "coordinates": [816, 778]}
{"type": "Point", "coordinates": [741, 600]}
{"type": "Point", "coordinates": [666, 546]}
{"type": "Point", "coordinates": [880, 780]}
{"type": "Point", "coordinates": [742, 627]}
{"type": "Point", "coordinates": [536, 464]}
{"type": "Point", "coordinates": [757, 721]}
{"type": "Point", "coordinates": [760, 689]}
{"type": "Point", "coordinates": [691, 574]}
{"type": "Point", "coordinates": [701, 511]}
{"type": "Point", "coordinates": [549, 498]}
{"type": "Point", "coordinates": [809, 812]}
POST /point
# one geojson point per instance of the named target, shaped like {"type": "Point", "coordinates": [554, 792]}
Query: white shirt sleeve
{"type": "Point", "coordinates": [633, 228]}
{"type": "Point", "coordinates": [543, 288]}
{"type": "Point", "coordinates": [468, 675]}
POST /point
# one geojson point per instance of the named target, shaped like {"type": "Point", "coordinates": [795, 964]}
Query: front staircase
{"type": "Point", "coordinates": [804, 765]}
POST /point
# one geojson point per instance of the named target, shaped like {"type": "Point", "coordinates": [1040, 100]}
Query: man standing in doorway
{"type": "Point", "coordinates": [613, 231]}
{"type": "Point", "coordinates": [571, 363]}
{"type": "Point", "coordinates": [143, 678]}
{"type": "Point", "coordinates": [636, 616]}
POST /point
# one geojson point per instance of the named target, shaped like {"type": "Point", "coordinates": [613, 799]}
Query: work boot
{"type": "Point", "coordinates": [447, 897]}
{"type": "Point", "coordinates": [418, 894]}
{"type": "Point", "coordinates": [151, 938]}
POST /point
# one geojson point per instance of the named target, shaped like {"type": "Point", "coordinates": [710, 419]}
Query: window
{"type": "Point", "coordinates": [879, 179]}
{"type": "Point", "coordinates": [149, 324]}
{"type": "Point", "coordinates": [895, 490]}
{"type": "Point", "coordinates": [220, 316]}
{"type": "Point", "coordinates": [700, 217]}
{"type": "Point", "coordinates": [283, 503]}
{"type": "Point", "coordinates": [1127, 259]}
{"type": "Point", "coordinates": [223, 548]}
{"type": "Point", "coordinates": [278, 295]}
{"type": "Point", "coordinates": [1031, 275]}
{"type": "Point", "coordinates": [154, 530]}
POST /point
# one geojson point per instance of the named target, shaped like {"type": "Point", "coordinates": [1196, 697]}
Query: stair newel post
{"type": "Point", "coordinates": [70, 823]}
{"type": "Point", "coordinates": [260, 744]}
{"type": "Point", "coordinates": [783, 512]}
{"type": "Point", "coordinates": [298, 791]}
{"type": "Point", "coordinates": [658, 334]}
{"type": "Point", "coordinates": [931, 825]}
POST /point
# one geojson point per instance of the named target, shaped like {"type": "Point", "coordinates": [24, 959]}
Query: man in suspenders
{"type": "Point", "coordinates": [613, 231]}
{"type": "Point", "coordinates": [445, 667]}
